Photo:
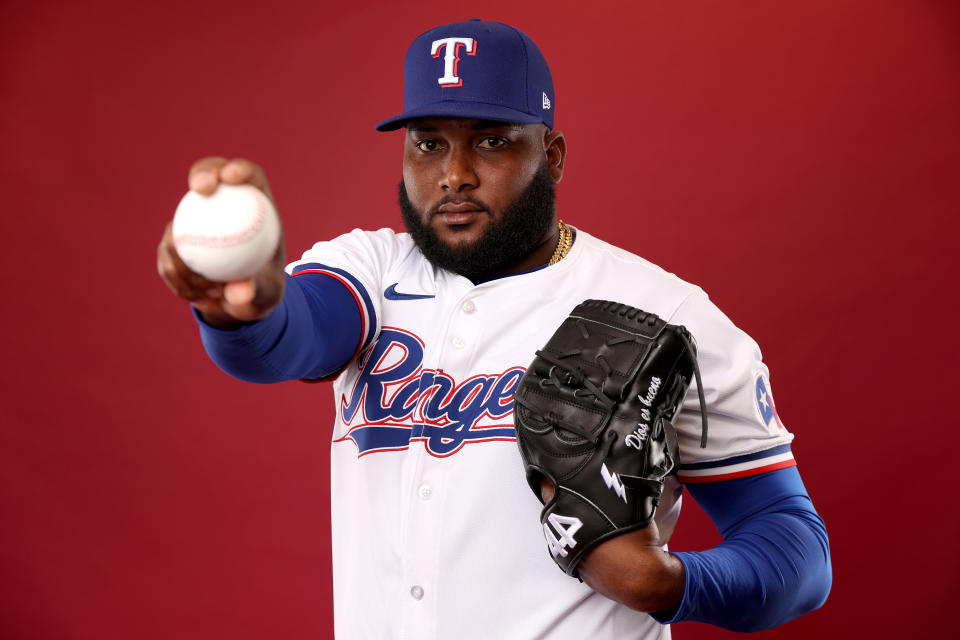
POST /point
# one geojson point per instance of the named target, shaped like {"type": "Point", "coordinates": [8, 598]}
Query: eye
{"type": "Point", "coordinates": [493, 142]}
{"type": "Point", "coordinates": [428, 145]}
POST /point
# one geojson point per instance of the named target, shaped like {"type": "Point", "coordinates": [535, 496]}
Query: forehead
{"type": "Point", "coordinates": [437, 124]}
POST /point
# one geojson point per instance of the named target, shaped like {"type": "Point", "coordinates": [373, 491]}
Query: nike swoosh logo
{"type": "Point", "coordinates": [391, 293]}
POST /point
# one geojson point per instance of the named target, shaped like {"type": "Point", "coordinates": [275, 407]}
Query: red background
{"type": "Point", "coordinates": [799, 160]}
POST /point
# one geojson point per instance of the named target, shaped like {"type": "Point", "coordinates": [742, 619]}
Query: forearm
{"type": "Point", "coordinates": [633, 572]}
{"type": "Point", "coordinates": [766, 574]}
{"type": "Point", "coordinates": [774, 563]}
{"type": "Point", "coordinates": [313, 332]}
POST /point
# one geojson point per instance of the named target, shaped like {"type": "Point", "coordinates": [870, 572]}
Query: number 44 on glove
{"type": "Point", "coordinates": [594, 415]}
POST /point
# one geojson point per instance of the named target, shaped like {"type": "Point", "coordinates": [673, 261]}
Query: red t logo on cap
{"type": "Point", "coordinates": [451, 59]}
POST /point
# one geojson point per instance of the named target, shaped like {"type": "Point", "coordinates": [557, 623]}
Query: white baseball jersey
{"type": "Point", "coordinates": [436, 533]}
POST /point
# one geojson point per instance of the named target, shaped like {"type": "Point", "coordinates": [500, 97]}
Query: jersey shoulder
{"type": "Point", "coordinates": [648, 285]}
{"type": "Point", "coordinates": [382, 247]}
{"type": "Point", "coordinates": [747, 436]}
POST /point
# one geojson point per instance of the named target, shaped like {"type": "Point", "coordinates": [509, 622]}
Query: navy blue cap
{"type": "Point", "coordinates": [475, 69]}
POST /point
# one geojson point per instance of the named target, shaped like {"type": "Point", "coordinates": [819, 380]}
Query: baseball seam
{"type": "Point", "coordinates": [220, 241]}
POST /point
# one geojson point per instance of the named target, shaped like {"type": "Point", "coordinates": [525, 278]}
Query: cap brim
{"type": "Point", "coordinates": [452, 109]}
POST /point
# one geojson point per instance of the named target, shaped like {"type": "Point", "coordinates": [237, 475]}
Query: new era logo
{"type": "Point", "coordinates": [546, 101]}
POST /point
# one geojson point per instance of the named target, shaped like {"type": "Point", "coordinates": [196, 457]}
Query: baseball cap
{"type": "Point", "coordinates": [475, 69]}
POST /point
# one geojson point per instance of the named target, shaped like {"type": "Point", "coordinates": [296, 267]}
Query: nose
{"type": "Point", "coordinates": [458, 172]}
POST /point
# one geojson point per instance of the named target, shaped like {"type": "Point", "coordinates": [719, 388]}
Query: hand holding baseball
{"type": "Point", "coordinates": [245, 297]}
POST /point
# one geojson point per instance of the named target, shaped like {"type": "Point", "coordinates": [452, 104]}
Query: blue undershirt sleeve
{"type": "Point", "coordinates": [312, 333]}
{"type": "Point", "coordinates": [773, 564]}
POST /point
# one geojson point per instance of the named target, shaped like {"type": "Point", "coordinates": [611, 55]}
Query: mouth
{"type": "Point", "coordinates": [459, 213]}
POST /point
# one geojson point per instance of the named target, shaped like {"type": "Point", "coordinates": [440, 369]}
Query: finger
{"type": "Point", "coordinates": [546, 490]}
{"type": "Point", "coordinates": [280, 255]}
{"type": "Point", "coordinates": [185, 282]}
{"type": "Point", "coordinates": [186, 273]}
{"type": "Point", "coordinates": [184, 287]}
{"type": "Point", "coordinates": [176, 283]}
{"type": "Point", "coordinates": [241, 171]}
{"type": "Point", "coordinates": [256, 297]}
{"type": "Point", "coordinates": [204, 175]}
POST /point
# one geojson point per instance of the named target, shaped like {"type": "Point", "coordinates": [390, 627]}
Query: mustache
{"type": "Point", "coordinates": [458, 199]}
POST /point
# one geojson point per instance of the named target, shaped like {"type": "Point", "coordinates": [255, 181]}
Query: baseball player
{"type": "Point", "coordinates": [427, 335]}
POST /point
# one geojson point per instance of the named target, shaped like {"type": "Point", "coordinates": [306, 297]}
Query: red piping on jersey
{"type": "Point", "coordinates": [783, 464]}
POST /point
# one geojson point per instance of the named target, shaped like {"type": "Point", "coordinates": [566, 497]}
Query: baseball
{"type": "Point", "coordinates": [226, 236]}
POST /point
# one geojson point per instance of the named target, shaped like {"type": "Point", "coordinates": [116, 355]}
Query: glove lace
{"type": "Point", "coordinates": [703, 402]}
{"type": "Point", "coordinates": [562, 375]}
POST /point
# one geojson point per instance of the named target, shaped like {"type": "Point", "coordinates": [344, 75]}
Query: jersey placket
{"type": "Point", "coordinates": [452, 354]}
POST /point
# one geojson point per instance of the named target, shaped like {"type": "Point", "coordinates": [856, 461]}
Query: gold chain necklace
{"type": "Point", "coordinates": [563, 245]}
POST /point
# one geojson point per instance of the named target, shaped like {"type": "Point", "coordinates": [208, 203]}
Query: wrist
{"type": "Point", "coordinates": [642, 577]}
{"type": "Point", "coordinates": [221, 321]}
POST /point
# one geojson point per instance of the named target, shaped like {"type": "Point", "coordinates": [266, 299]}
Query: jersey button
{"type": "Point", "coordinates": [425, 491]}
{"type": "Point", "coordinates": [469, 307]}
{"type": "Point", "coordinates": [416, 591]}
{"type": "Point", "coordinates": [458, 342]}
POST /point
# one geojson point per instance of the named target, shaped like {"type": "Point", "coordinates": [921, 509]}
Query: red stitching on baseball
{"type": "Point", "coordinates": [220, 241]}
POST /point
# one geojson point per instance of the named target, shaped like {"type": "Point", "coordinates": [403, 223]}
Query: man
{"type": "Point", "coordinates": [427, 333]}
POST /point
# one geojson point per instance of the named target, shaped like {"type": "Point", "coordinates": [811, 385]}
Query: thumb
{"type": "Point", "coordinates": [256, 297]}
{"type": "Point", "coordinates": [240, 293]}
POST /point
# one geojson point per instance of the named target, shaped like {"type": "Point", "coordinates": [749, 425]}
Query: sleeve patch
{"type": "Point", "coordinates": [765, 404]}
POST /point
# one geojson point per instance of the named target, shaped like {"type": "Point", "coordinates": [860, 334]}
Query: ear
{"type": "Point", "coordinates": [555, 147]}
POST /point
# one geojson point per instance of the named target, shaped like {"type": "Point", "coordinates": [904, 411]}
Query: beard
{"type": "Point", "coordinates": [523, 225]}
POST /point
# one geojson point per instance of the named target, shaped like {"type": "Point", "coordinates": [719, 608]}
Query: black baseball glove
{"type": "Point", "coordinates": [594, 415]}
